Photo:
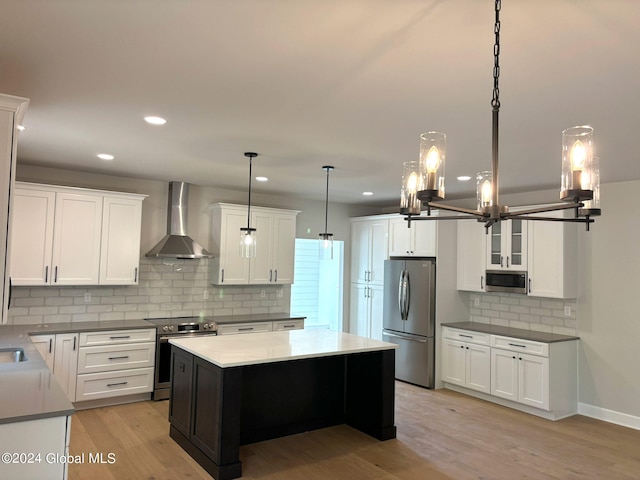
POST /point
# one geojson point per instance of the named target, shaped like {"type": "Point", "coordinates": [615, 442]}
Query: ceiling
{"type": "Point", "coordinates": [349, 83]}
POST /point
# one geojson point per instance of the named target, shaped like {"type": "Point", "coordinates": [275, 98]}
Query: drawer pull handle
{"type": "Point", "coordinates": [516, 345]}
{"type": "Point", "coordinates": [120, 338]}
{"type": "Point", "coordinates": [465, 336]}
{"type": "Point", "coordinates": [288, 326]}
{"type": "Point", "coordinates": [245, 329]}
{"type": "Point", "coordinates": [119, 358]}
{"type": "Point", "coordinates": [116, 384]}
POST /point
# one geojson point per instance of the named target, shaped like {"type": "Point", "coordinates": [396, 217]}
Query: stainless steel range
{"type": "Point", "coordinates": [174, 327]}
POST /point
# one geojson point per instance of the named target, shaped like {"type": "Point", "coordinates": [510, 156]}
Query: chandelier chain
{"type": "Point", "coordinates": [495, 102]}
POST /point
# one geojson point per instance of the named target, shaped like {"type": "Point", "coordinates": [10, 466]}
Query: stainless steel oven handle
{"type": "Point", "coordinates": [166, 339]}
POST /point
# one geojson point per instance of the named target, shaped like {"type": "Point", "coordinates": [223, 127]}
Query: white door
{"type": "Point", "coordinates": [76, 239]}
{"type": "Point", "coordinates": [31, 236]}
{"type": "Point", "coordinates": [360, 251]}
{"type": "Point", "coordinates": [424, 236]}
{"type": "Point", "coordinates": [399, 237]}
{"type": "Point", "coordinates": [46, 345]}
{"type": "Point", "coordinates": [120, 250]}
{"type": "Point", "coordinates": [234, 269]}
{"type": "Point", "coordinates": [504, 374]}
{"type": "Point", "coordinates": [478, 371]}
{"type": "Point", "coordinates": [379, 250]}
{"type": "Point", "coordinates": [284, 237]}
{"type": "Point", "coordinates": [453, 362]}
{"type": "Point", "coordinates": [375, 311]}
{"type": "Point", "coordinates": [65, 364]}
{"type": "Point", "coordinates": [471, 255]}
{"type": "Point", "coordinates": [533, 380]}
{"type": "Point", "coordinates": [261, 269]}
{"type": "Point", "coordinates": [359, 310]}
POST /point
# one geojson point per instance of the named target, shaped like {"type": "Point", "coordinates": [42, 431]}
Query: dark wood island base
{"type": "Point", "coordinates": [214, 410]}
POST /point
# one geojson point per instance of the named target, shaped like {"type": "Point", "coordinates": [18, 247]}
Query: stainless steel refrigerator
{"type": "Point", "coordinates": [409, 317]}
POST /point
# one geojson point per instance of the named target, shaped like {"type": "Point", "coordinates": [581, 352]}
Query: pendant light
{"type": "Point", "coordinates": [326, 239]}
{"type": "Point", "coordinates": [580, 179]}
{"type": "Point", "coordinates": [248, 234]}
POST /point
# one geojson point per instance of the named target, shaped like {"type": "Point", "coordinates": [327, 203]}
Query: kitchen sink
{"type": "Point", "coordinates": [12, 355]}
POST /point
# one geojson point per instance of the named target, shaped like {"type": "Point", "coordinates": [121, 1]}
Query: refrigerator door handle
{"type": "Point", "coordinates": [407, 294]}
{"type": "Point", "coordinates": [405, 337]}
{"type": "Point", "coordinates": [400, 298]}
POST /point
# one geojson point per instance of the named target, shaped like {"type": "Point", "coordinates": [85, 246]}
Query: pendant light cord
{"type": "Point", "coordinates": [326, 204]}
{"type": "Point", "coordinates": [249, 206]}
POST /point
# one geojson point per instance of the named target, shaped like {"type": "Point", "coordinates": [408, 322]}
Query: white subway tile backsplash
{"type": "Point", "coordinates": [165, 289]}
{"type": "Point", "coordinates": [521, 311]}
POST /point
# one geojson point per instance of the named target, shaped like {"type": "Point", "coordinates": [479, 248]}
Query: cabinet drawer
{"type": "Point", "coordinates": [519, 345]}
{"type": "Point", "coordinates": [92, 386]}
{"type": "Point", "coordinates": [106, 358]}
{"type": "Point", "coordinates": [117, 336]}
{"type": "Point", "coordinates": [288, 325]}
{"type": "Point", "coordinates": [466, 336]}
{"type": "Point", "coordinates": [254, 327]}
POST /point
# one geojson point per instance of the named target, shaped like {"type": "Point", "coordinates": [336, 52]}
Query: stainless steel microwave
{"type": "Point", "coordinates": [511, 281]}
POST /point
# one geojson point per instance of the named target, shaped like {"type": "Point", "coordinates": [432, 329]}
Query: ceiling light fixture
{"type": "Point", "coordinates": [464, 178]}
{"type": "Point", "coordinates": [326, 239]}
{"type": "Point", "coordinates": [262, 179]}
{"type": "Point", "coordinates": [423, 181]}
{"type": "Point", "coordinates": [248, 234]}
{"type": "Point", "coordinates": [105, 156]}
{"type": "Point", "coordinates": [155, 120]}
{"type": "Point", "coordinates": [367, 194]}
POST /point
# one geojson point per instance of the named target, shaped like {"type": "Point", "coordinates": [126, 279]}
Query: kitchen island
{"type": "Point", "coordinates": [233, 390]}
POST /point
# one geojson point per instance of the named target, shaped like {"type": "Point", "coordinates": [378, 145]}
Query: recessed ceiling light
{"type": "Point", "coordinates": [464, 178]}
{"type": "Point", "coordinates": [105, 156]}
{"type": "Point", "coordinates": [22, 128]}
{"type": "Point", "coordinates": [262, 179]}
{"type": "Point", "coordinates": [367, 194]}
{"type": "Point", "coordinates": [155, 120]}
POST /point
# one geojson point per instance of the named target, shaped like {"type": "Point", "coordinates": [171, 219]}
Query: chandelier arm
{"type": "Point", "coordinates": [586, 220]}
{"type": "Point", "coordinates": [451, 208]}
{"type": "Point", "coordinates": [549, 208]}
{"type": "Point", "coordinates": [477, 218]}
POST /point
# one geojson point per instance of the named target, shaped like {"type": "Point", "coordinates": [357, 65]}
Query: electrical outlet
{"type": "Point", "coordinates": [567, 310]}
{"type": "Point", "coordinates": [87, 297]}
{"type": "Point", "coordinates": [205, 294]}
{"type": "Point", "coordinates": [263, 293]}
{"type": "Point", "coordinates": [476, 302]}
{"type": "Point", "coordinates": [280, 293]}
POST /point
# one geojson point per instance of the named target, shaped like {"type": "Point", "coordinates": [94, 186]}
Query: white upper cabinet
{"type": "Point", "coordinates": [552, 258]}
{"type": "Point", "coordinates": [73, 236]}
{"type": "Point", "coordinates": [120, 257]}
{"type": "Point", "coordinates": [369, 249]}
{"type": "Point", "coordinates": [471, 255]}
{"type": "Point", "coordinates": [275, 245]}
{"type": "Point", "coordinates": [507, 245]}
{"type": "Point", "coordinates": [419, 240]}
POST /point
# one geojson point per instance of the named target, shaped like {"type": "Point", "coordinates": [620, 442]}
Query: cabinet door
{"type": "Point", "coordinates": [359, 310]}
{"type": "Point", "coordinates": [478, 367]}
{"type": "Point", "coordinates": [360, 251]}
{"type": "Point", "coordinates": [65, 364]}
{"type": "Point", "coordinates": [233, 269]}
{"type": "Point", "coordinates": [516, 245]}
{"type": "Point", "coordinates": [261, 269]}
{"type": "Point", "coordinates": [31, 236]}
{"type": "Point", "coordinates": [46, 346]}
{"type": "Point", "coordinates": [533, 384]}
{"type": "Point", "coordinates": [120, 250]}
{"type": "Point", "coordinates": [76, 239]}
{"type": "Point", "coordinates": [400, 237]}
{"type": "Point", "coordinates": [375, 311]}
{"type": "Point", "coordinates": [504, 374]}
{"type": "Point", "coordinates": [453, 362]}
{"type": "Point", "coordinates": [424, 236]}
{"type": "Point", "coordinates": [471, 255]}
{"type": "Point", "coordinates": [378, 251]}
{"type": "Point", "coordinates": [284, 238]}
{"type": "Point", "coordinates": [495, 256]}
{"type": "Point", "coordinates": [181, 385]}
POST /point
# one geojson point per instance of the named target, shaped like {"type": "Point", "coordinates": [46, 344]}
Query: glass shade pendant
{"type": "Point", "coordinates": [577, 164]}
{"type": "Point", "coordinates": [412, 183]}
{"type": "Point", "coordinates": [433, 147]}
{"type": "Point", "coordinates": [248, 234]}
{"type": "Point", "coordinates": [484, 190]}
{"type": "Point", "coordinates": [326, 239]}
{"type": "Point", "coordinates": [592, 207]}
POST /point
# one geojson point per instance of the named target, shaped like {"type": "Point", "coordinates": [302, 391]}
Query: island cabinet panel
{"type": "Point", "coordinates": [181, 380]}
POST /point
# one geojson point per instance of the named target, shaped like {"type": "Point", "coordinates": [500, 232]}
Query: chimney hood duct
{"type": "Point", "coordinates": [177, 244]}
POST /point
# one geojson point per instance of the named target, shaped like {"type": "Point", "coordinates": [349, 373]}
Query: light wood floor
{"type": "Point", "coordinates": [441, 435]}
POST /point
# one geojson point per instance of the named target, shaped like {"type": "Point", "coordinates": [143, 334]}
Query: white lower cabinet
{"type": "Point", "coordinates": [60, 353]}
{"type": "Point", "coordinates": [366, 310]}
{"type": "Point", "coordinates": [256, 327]}
{"type": "Point", "coordinates": [523, 373]}
{"type": "Point", "coordinates": [46, 345]}
{"type": "Point", "coordinates": [115, 363]}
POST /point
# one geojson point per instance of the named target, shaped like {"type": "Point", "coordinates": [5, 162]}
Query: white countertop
{"type": "Point", "coordinates": [267, 347]}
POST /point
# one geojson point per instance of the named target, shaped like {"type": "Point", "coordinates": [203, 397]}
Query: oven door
{"type": "Point", "coordinates": [162, 381]}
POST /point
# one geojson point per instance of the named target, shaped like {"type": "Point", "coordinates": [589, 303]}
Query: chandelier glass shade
{"type": "Point", "coordinates": [423, 184]}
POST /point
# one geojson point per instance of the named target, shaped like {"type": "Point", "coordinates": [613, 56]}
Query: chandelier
{"type": "Point", "coordinates": [423, 180]}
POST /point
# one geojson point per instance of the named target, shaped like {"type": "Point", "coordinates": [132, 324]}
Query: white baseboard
{"type": "Point", "coordinates": [610, 416]}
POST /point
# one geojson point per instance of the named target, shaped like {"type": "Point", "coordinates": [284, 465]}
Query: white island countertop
{"type": "Point", "coordinates": [267, 347]}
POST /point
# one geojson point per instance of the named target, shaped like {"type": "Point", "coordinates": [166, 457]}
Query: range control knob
{"type": "Point", "coordinates": [165, 328]}
{"type": "Point", "coordinates": [171, 328]}
{"type": "Point", "coordinates": [205, 326]}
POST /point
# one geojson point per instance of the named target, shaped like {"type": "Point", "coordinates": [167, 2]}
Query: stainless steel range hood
{"type": "Point", "coordinates": [177, 244]}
